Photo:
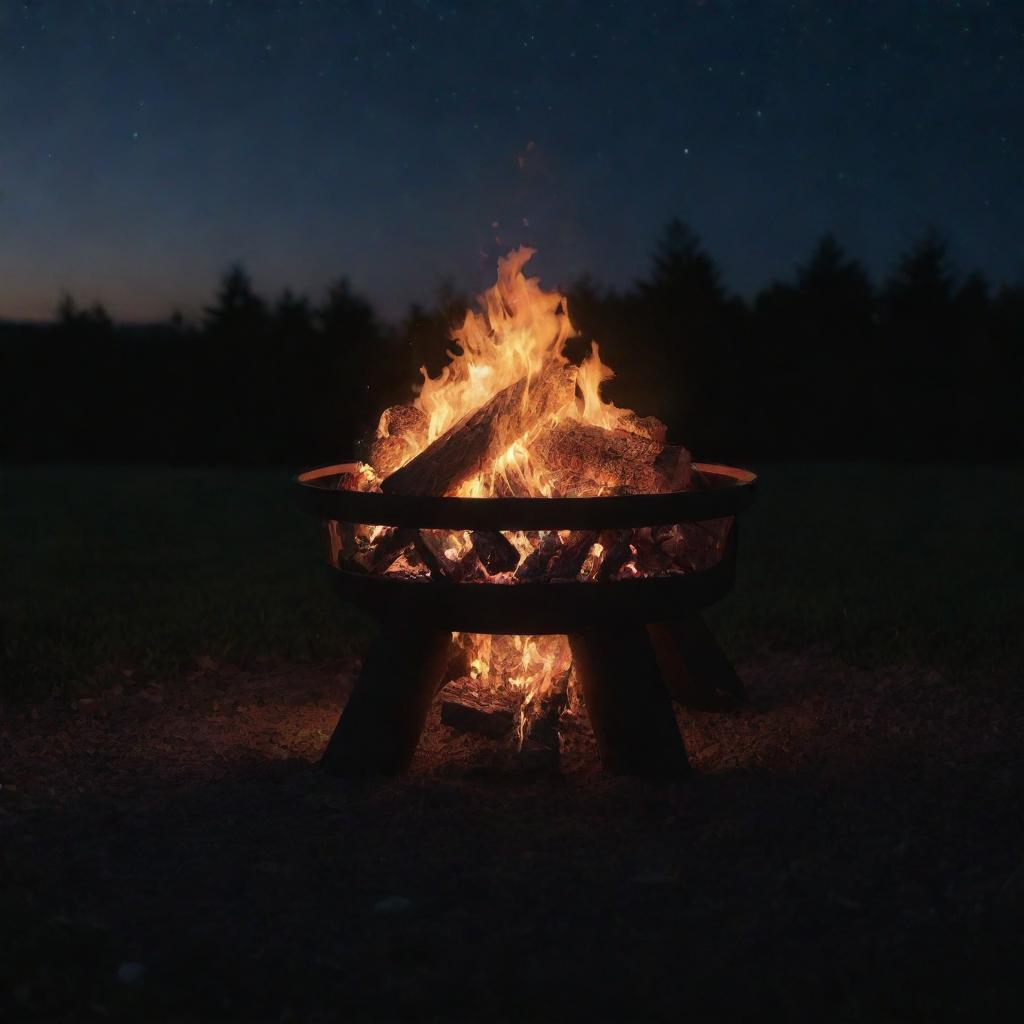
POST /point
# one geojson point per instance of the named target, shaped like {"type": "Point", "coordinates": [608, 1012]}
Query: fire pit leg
{"type": "Point", "coordinates": [694, 667]}
{"type": "Point", "coordinates": [385, 715]}
{"type": "Point", "coordinates": [631, 712]}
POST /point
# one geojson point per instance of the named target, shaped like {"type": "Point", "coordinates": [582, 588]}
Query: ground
{"type": "Point", "coordinates": [849, 847]}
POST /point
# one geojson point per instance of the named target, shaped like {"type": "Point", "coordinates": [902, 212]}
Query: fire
{"type": "Point", "coordinates": [519, 330]}
{"type": "Point", "coordinates": [509, 356]}
{"type": "Point", "coordinates": [525, 670]}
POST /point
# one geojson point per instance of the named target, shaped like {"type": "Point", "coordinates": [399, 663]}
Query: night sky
{"type": "Point", "coordinates": [144, 146]}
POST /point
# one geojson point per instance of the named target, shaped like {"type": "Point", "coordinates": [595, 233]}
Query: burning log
{"type": "Point", "coordinates": [692, 546]}
{"type": "Point", "coordinates": [352, 482]}
{"type": "Point", "coordinates": [468, 707]}
{"type": "Point", "coordinates": [473, 444]}
{"type": "Point", "coordinates": [651, 558]}
{"type": "Point", "coordinates": [386, 454]}
{"type": "Point", "coordinates": [406, 421]}
{"type": "Point", "coordinates": [511, 486]}
{"type": "Point", "coordinates": [401, 432]}
{"type": "Point", "coordinates": [569, 560]}
{"type": "Point", "coordinates": [385, 549]}
{"type": "Point", "coordinates": [618, 550]}
{"type": "Point", "coordinates": [430, 547]}
{"type": "Point", "coordinates": [646, 426]}
{"type": "Point", "coordinates": [591, 458]}
{"type": "Point", "coordinates": [495, 551]}
{"type": "Point", "coordinates": [542, 745]}
{"type": "Point", "coordinates": [535, 565]}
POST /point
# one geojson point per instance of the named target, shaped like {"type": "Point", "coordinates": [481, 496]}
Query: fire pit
{"type": "Point", "coordinates": [520, 538]}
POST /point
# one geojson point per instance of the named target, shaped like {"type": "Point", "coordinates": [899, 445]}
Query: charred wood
{"type": "Point", "coordinates": [468, 707]}
{"type": "Point", "coordinates": [495, 551]}
{"type": "Point", "coordinates": [510, 485]}
{"type": "Point", "coordinates": [535, 565]}
{"type": "Point", "coordinates": [645, 426]}
{"type": "Point", "coordinates": [472, 444]}
{"type": "Point", "coordinates": [542, 745]}
{"type": "Point", "coordinates": [585, 456]}
{"type": "Point", "coordinates": [431, 548]}
{"type": "Point", "coordinates": [386, 454]}
{"type": "Point", "coordinates": [384, 551]}
{"type": "Point", "coordinates": [693, 546]}
{"type": "Point", "coordinates": [618, 550]}
{"type": "Point", "coordinates": [401, 432]}
{"type": "Point", "coordinates": [570, 558]}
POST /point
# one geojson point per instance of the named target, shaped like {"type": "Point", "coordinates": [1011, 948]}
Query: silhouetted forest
{"type": "Point", "coordinates": [828, 364]}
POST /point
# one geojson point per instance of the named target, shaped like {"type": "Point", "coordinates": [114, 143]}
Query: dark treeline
{"type": "Point", "coordinates": [926, 364]}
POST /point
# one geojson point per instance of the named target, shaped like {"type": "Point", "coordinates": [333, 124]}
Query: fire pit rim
{"type": "Point", "coordinates": [732, 490]}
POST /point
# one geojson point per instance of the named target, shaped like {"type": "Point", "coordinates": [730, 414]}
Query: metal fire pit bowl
{"type": "Point", "coordinates": [636, 643]}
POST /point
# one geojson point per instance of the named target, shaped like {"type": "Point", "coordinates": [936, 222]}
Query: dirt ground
{"type": "Point", "coordinates": [849, 847]}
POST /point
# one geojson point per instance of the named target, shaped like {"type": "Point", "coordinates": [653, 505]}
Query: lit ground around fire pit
{"type": "Point", "coordinates": [849, 848]}
{"type": "Point", "coordinates": [849, 851]}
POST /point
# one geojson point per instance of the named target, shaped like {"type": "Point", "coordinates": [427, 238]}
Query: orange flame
{"type": "Point", "coordinates": [519, 330]}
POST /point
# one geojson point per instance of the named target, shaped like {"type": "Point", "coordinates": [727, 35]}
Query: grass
{"type": "Point", "coordinates": [894, 562]}
{"type": "Point", "coordinates": [145, 570]}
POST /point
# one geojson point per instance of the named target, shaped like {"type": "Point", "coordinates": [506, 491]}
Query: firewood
{"type": "Point", "coordinates": [542, 746]}
{"type": "Point", "coordinates": [645, 426]}
{"type": "Point", "coordinates": [468, 707]}
{"type": "Point", "coordinates": [544, 728]}
{"type": "Point", "coordinates": [583, 454]}
{"type": "Point", "coordinates": [401, 432]}
{"type": "Point", "coordinates": [386, 454]}
{"type": "Point", "coordinates": [472, 444]}
{"type": "Point", "coordinates": [349, 482]}
{"type": "Point", "coordinates": [510, 485]}
{"type": "Point", "coordinates": [495, 551]}
{"type": "Point", "coordinates": [386, 549]}
{"type": "Point", "coordinates": [470, 569]}
{"type": "Point", "coordinates": [569, 560]}
{"type": "Point", "coordinates": [406, 421]}
{"type": "Point", "coordinates": [692, 546]}
{"type": "Point", "coordinates": [535, 565]}
{"type": "Point", "coordinates": [618, 550]}
{"type": "Point", "coordinates": [651, 558]}
{"type": "Point", "coordinates": [430, 547]}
